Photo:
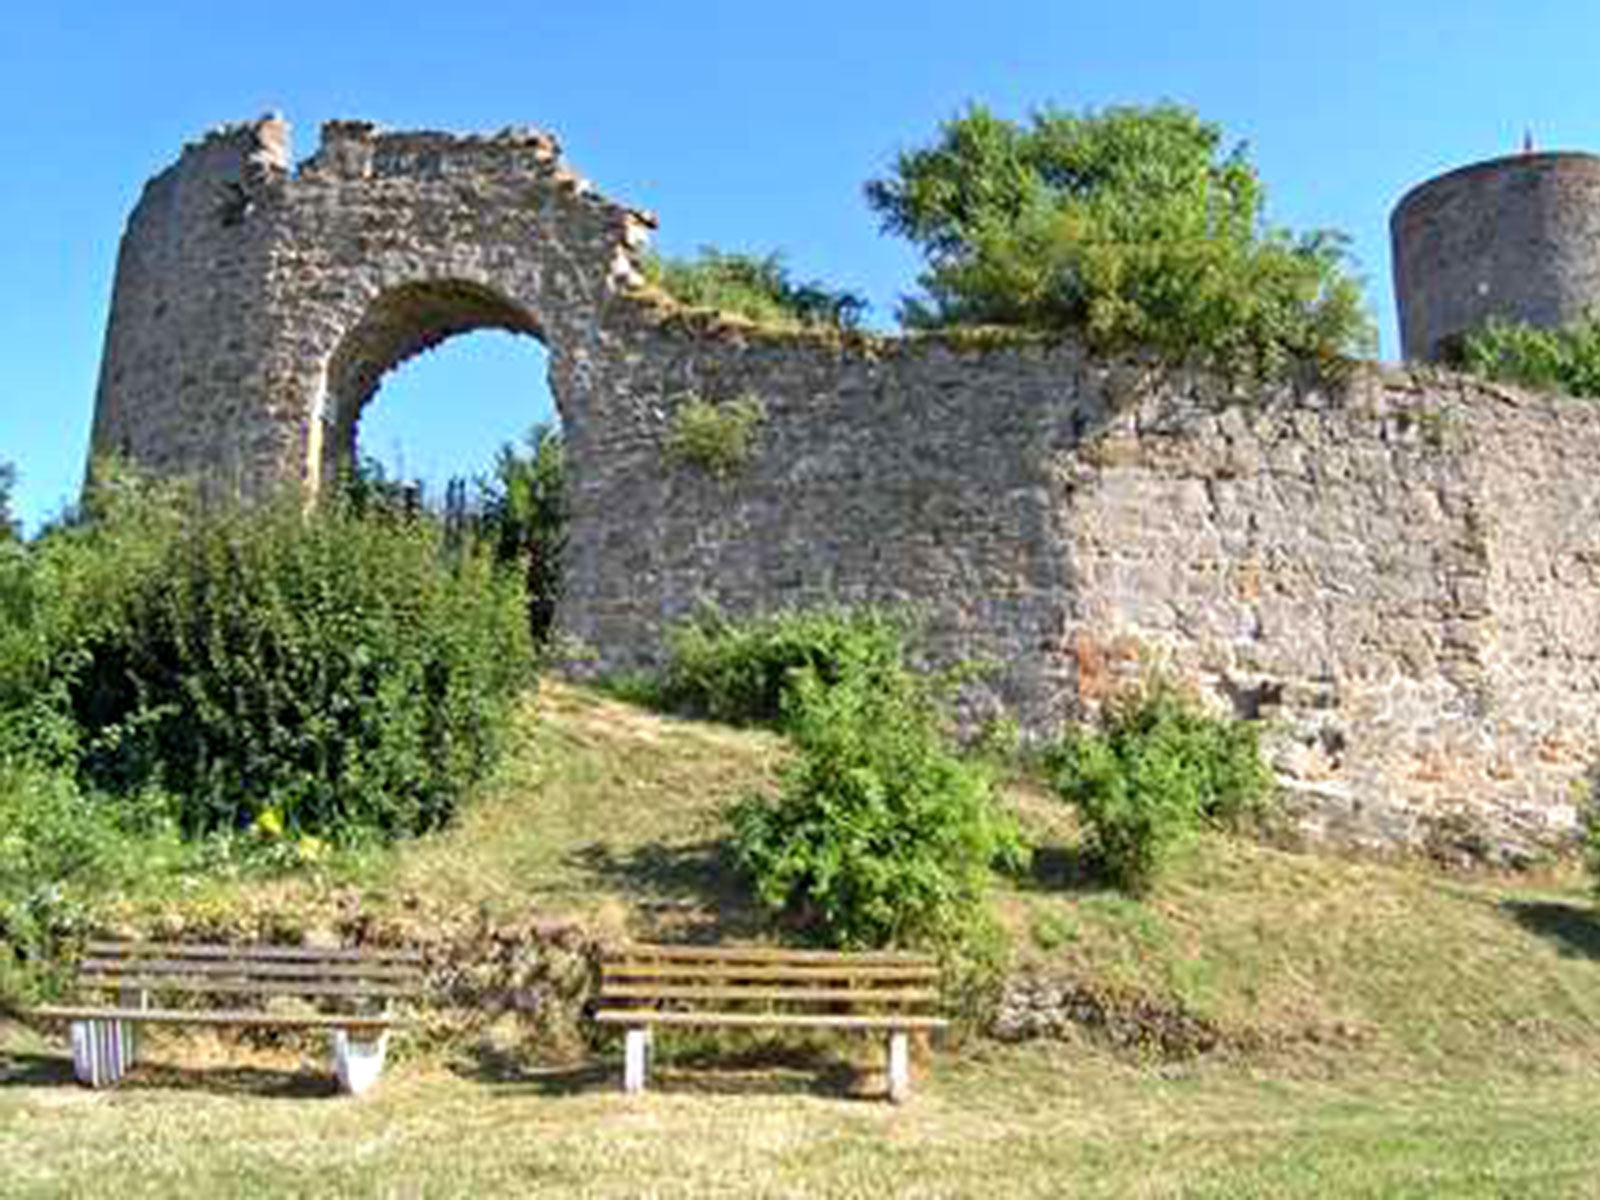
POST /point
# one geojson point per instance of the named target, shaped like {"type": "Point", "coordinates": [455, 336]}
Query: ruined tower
{"type": "Point", "coordinates": [258, 305]}
{"type": "Point", "coordinates": [1516, 238]}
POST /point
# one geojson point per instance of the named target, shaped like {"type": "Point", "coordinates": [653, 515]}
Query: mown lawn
{"type": "Point", "coordinates": [1040, 1121]}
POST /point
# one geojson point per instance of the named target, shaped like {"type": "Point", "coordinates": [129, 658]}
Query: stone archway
{"type": "Point", "coordinates": [399, 324]}
{"type": "Point", "coordinates": [257, 303]}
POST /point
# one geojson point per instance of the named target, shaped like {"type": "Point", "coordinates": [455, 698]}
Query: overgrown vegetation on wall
{"type": "Point", "coordinates": [1155, 771]}
{"type": "Point", "coordinates": [1562, 360]}
{"type": "Point", "coordinates": [1131, 227]}
{"type": "Point", "coordinates": [758, 287]}
{"type": "Point", "coordinates": [715, 438]}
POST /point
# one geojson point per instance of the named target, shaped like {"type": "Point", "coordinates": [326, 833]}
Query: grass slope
{"type": "Point", "coordinates": [1392, 1031]}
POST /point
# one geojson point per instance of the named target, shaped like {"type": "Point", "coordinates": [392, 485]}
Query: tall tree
{"type": "Point", "coordinates": [8, 521]}
{"type": "Point", "coordinates": [524, 515]}
{"type": "Point", "coordinates": [1130, 226]}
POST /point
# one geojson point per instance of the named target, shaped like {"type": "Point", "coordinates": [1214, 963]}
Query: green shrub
{"type": "Point", "coordinates": [335, 675]}
{"type": "Point", "coordinates": [881, 836]}
{"type": "Point", "coordinates": [1156, 771]}
{"type": "Point", "coordinates": [753, 286]}
{"type": "Point", "coordinates": [1564, 360]}
{"type": "Point", "coordinates": [740, 672]}
{"type": "Point", "coordinates": [61, 853]}
{"type": "Point", "coordinates": [717, 438]}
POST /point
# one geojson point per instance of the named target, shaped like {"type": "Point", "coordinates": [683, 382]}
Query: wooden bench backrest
{"type": "Point", "coordinates": [696, 978]}
{"type": "Point", "coordinates": [354, 974]}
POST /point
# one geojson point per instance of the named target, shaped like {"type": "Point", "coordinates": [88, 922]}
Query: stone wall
{"type": "Point", "coordinates": [1396, 572]}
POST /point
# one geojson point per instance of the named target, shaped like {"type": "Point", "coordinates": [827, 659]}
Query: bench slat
{"type": "Point", "coordinates": [375, 954]}
{"type": "Point", "coordinates": [765, 954]}
{"type": "Point", "coordinates": [841, 995]}
{"type": "Point", "coordinates": [820, 972]}
{"type": "Point", "coordinates": [178, 1016]}
{"type": "Point", "coordinates": [269, 969]}
{"type": "Point", "coordinates": [801, 1020]}
{"type": "Point", "coordinates": [220, 986]}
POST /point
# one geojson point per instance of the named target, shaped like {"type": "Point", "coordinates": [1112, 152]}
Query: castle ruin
{"type": "Point", "coordinates": [1399, 571]}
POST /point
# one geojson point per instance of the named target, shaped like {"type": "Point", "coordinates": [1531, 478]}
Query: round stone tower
{"type": "Point", "coordinates": [1516, 238]}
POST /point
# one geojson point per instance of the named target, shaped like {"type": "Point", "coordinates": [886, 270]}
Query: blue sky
{"type": "Point", "coordinates": [751, 126]}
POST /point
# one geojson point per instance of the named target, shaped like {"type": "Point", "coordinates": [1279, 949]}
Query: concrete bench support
{"type": "Point", "coordinates": [357, 1060]}
{"type": "Point", "coordinates": [102, 1051]}
{"type": "Point", "coordinates": [636, 1055]}
{"type": "Point", "coordinates": [899, 1066]}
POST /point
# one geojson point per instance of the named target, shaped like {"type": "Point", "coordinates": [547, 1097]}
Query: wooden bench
{"type": "Point", "coordinates": [643, 986]}
{"type": "Point", "coordinates": [180, 984]}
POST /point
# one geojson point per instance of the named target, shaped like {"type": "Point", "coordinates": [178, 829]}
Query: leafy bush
{"type": "Point", "coordinates": [336, 675]}
{"type": "Point", "coordinates": [1564, 360]}
{"type": "Point", "coordinates": [1153, 774]}
{"type": "Point", "coordinates": [740, 672]}
{"type": "Point", "coordinates": [753, 286]}
{"type": "Point", "coordinates": [1129, 227]}
{"type": "Point", "coordinates": [717, 438]}
{"type": "Point", "coordinates": [60, 853]}
{"type": "Point", "coordinates": [881, 836]}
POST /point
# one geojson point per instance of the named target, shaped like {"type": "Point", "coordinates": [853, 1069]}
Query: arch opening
{"type": "Point", "coordinates": [401, 325]}
{"type": "Point", "coordinates": [446, 415]}
{"type": "Point", "coordinates": [477, 411]}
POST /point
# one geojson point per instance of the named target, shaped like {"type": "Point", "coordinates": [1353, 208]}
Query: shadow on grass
{"type": "Point", "coordinates": [35, 1070]}
{"type": "Point", "coordinates": [695, 884]}
{"type": "Point", "coordinates": [49, 1070]}
{"type": "Point", "coordinates": [1572, 927]}
{"type": "Point", "coordinates": [504, 1071]}
{"type": "Point", "coordinates": [689, 1062]}
{"type": "Point", "coordinates": [1054, 868]}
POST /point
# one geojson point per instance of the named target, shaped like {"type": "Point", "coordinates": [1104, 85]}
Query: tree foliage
{"type": "Point", "coordinates": [1130, 226]}
{"type": "Point", "coordinates": [8, 521]}
{"type": "Point", "coordinates": [1563, 360]}
{"type": "Point", "coordinates": [523, 515]}
{"type": "Point", "coordinates": [755, 286]}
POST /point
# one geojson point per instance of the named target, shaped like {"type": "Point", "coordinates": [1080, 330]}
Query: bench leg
{"type": "Point", "coordinates": [102, 1051]}
{"type": "Point", "coordinates": [899, 1066]}
{"type": "Point", "coordinates": [636, 1047]}
{"type": "Point", "coordinates": [358, 1061]}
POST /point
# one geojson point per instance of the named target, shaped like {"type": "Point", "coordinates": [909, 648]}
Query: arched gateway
{"type": "Point", "coordinates": [257, 306]}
